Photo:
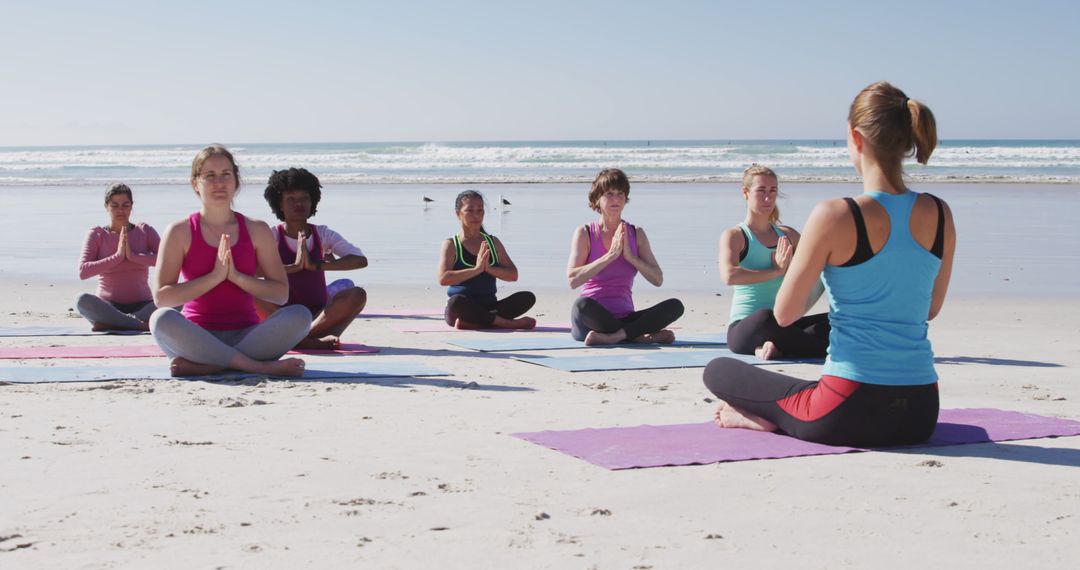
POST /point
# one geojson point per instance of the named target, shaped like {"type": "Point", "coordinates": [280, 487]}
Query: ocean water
{"type": "Point", "coordinates": [1012, 238]}
{"type": "Point", "coordinates": [1001, 161]}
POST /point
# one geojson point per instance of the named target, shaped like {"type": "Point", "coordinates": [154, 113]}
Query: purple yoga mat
{"type": "Point", "coordinates": [700, 444]}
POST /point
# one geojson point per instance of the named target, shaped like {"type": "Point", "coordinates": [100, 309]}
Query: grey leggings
{"type": "Point", "coordinates": [268, 340]}
{"type": "Point", "coordinates": [114, 315]}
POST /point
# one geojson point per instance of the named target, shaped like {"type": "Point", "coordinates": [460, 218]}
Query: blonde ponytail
{"type": "Point", "coordinates": [923, 130]}
{"type": "Point", "coordinates": [893, 125]}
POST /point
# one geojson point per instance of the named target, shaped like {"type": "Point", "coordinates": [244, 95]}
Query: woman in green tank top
{"type": "Point", "coordinates": [754, 256]}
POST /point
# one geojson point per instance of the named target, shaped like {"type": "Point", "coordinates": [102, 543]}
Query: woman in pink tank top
{"type": "Point", "coordinates": [605, 256]}
{"type": "Point", "coordinates": [221, 254]}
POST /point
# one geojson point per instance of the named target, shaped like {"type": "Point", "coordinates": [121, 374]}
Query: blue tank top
{"type": "Point", "coordinates": [751, 297]}
{"type": "Point", "coordinates": [878, 308]}
{"type": "Point", "coordinates": [480, 288]}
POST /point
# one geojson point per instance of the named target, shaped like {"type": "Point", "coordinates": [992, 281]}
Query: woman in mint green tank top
{"type": "Point", "coordinates": [754, 257]}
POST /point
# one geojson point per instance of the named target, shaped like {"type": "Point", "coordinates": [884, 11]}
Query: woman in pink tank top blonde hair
{"type": "Point", "coordinates": [226, 261]}
{"type": "Point", "coordinates": [605, 256]}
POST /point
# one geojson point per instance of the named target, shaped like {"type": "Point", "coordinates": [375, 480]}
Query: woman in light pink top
{"type": "Point", "coordinates": [226, 261]}
{"type": "Point", "coordinates": [605, 256]}
{"type": "Point", "coordinates": [120, 256]}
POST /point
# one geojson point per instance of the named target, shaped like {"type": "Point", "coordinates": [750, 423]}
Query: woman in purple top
{"type": "Point", "coordinates": [604, 257]}
{"type": "Point", "coordinates": [120, 256]}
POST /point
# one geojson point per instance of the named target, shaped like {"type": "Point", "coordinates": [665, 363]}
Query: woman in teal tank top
{"type": "Point", "coordinates": [754, 256]}
{"type": "Point", "coordinates": [887, 259]}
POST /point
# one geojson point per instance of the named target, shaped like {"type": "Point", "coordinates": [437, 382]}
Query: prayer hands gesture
{"type": "Point", "coordinates": [123, 247]}
{"type": "Point", "coordinates": [618, 243]}
{"type": "Point", "coordinates": [626, 253]}
{"type": "Point", "coordinates": [784, 251]}
{"type": "Point", "coordinates": [303, 260]}
{"type": "Point", "coordinates": [483, 257]}
{"type": "Point", "coordinates": [223, 265]}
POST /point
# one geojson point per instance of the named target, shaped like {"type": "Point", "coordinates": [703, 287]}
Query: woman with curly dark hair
{"type": "Point", "coordinates": [308, 251]}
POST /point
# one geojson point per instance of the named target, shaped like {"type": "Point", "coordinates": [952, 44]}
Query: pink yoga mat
{"type": "Point", "coordinates": [142, 351]}
{"type": "Point", "coordinates": [441, 326]}
{"type": "Point", "coordinates": [704, 443]}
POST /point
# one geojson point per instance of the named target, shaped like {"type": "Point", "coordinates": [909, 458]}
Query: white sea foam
{"type": "Point", "coordinates": [535, 162]}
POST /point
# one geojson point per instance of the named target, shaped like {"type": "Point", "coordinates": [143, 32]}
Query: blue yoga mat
{"type": "Point", "coordinates": [511, 343]}
{"type": "Point", "coordinates": [317, 370]}
{"type": "Point", "coordinates": [60, 330]}
{"type": "Point", "coordinates": [645, 361]}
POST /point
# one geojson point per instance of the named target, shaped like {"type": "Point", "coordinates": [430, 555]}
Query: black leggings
{"type": "Point", "coordinates": [483, 314]}
{"type": "Point", "coordinates": [807, 337]}
{"type": "Point", "coordinates": [589, 315]}
{"type": "Point", "coordinates": [833, 411]}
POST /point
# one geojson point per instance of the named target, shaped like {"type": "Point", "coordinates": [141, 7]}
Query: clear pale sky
{"type": "Point", "coordinates": [321, 71]}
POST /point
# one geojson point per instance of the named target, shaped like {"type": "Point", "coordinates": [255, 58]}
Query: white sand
{"type": "Point", "coordinates": [419, 474]}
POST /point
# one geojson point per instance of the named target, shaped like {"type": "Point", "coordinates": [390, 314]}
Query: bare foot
{"type": "Point", "coordinates": [466, 325]}
{"type": "Point", "coordinates": [660, 337]}
{"type": "Point", "coordinates": [595, 338]}
{"type": "Point", "coordinates": [324, 343]}
{"type": "Point", "coordinates": [768, 351]}
{"type": "Point", "coordinates": [184, 367]}
{"type": "Point", "coordinates": [98, 327]}
{"type": "Point", "coordinates": [284, 367]}
{"type": "Point", "coordinates": [520, 323]}
{"type": "Point", "coordinates": [727, 416]}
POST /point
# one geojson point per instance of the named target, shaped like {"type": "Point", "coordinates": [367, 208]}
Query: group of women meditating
{"type": "Point", "coordinates": [249, 293]}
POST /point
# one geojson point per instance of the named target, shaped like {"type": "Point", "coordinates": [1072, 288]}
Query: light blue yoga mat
{"type": "Point", "coordinates": [655, 359]}
{"type": "Point", "coordinates": [315, 371]}
{"type": "Point", "coordinates": [510, 343]}
{"type": "Point", "coordinates": [60, 330]}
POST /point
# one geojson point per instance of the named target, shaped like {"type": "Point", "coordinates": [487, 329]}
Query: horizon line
{"type": "Point", "coordinates": [512, 141]}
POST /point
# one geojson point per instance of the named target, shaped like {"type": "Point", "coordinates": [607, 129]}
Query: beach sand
{"type": "Point", "coordinates": [423, 473]}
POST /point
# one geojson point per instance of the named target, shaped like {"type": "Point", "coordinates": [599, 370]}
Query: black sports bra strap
{"type": "Point", "coordinates": [863, 251]}
{"type": "Point", "coordinates": [938, 249]}
{"type": "Point", "coordinates": [745, 244]}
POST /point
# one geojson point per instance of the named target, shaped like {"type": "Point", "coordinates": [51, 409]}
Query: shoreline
{"type": "Point", "coordinates": [401, 234]}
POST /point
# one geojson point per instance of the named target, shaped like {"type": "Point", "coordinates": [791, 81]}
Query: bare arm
{"type": "Point", "coordinates": [577, 271]}
{"type": "Point", "coordinates": [450, 276]}
{"type": "Point", "coordinates": [792, 235]}
{"type": "Point", "coordinates": [941, 283]}
{"type": "Point", "coordinates": [808, 262]}
{"type": "Point", "coordinates": [273, 286]}
{"type": "Point", "coordinates": [645, 262]}
{"type": "Point", "coordinates": [731, 244]}
{"type": "Point", "coordinates": [345, 263]}
{"type": "Point", "coordinates": [506, 270]}
{"type": "Point", "coordinates": [167, 290]}
{"type": "Point", "coordinates": [345, 256]}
